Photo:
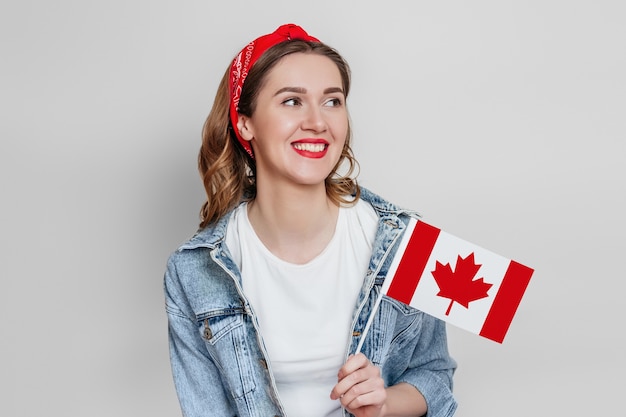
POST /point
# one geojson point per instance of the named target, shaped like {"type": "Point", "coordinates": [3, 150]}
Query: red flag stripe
{"type": "Point", "coordinates": [413, 262]}
{"type": "Point", "coordinates": [506, 301]}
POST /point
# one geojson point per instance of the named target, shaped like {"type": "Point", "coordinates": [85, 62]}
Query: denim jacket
{"type": "Point", "coordinates": [218, 358]}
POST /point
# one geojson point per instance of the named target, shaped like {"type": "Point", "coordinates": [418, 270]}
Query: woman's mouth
{"type": "Point", "coordinates": [311, 148]}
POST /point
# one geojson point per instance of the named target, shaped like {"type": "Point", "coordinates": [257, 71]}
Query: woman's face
{"type": "Point", "coordinates": [300, 122]}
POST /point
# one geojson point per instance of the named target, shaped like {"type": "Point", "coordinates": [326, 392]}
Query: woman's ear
{"type": "Point", "coordinates": [244, 125]}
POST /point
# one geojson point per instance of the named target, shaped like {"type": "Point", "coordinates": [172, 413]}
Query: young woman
{"type": "Point", "coordinates": [267, 303]}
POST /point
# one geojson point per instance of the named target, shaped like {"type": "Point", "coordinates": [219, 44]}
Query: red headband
{"type": "Point", "coordinates": [246, 58]}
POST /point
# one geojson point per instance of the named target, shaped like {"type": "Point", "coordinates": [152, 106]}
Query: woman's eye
{"type": "Point", "coordinates": [333, 102]}
{"type": "Point", "coordinates": [291, 102]}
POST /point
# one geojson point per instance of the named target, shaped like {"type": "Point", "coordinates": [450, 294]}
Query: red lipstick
{"type": "Point", "coordinates": [311, 147]}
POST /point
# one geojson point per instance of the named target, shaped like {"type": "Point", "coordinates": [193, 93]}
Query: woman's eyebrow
{"type": "Point", "coordinates": [333, 90]}
{"type": "Point", "coordinates": [298, 90]}
{"type": "Point", "coordinates": [301, 90]}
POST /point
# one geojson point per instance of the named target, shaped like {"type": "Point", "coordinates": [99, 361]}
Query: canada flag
{"type": "Point", "coordinates": [456, 281]}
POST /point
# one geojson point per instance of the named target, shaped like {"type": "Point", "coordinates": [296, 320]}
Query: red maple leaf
{"type": "Point", "coordinates": [460, 285]}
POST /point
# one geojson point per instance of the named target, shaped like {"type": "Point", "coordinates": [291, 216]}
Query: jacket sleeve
{"type": "Point", "coordinates": [431, 368]}
{"type": "Point", "coordinates": [196, 378]}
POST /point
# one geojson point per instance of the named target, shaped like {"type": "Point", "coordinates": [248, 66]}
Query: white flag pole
{"type": "Point", "coordinates": [369, 323]}
{"type": "Point", "coordinates": [387, 282]}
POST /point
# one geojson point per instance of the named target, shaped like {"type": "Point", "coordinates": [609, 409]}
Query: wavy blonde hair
{"type": "Point", "coordinates": [228, 172]}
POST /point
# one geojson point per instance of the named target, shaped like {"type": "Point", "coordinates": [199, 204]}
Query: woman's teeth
{"type": "Point", "coordinates": [309, 147]}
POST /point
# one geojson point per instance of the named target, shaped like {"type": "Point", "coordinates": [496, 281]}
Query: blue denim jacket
{"type": "Point", "coordinates": [218, 358]}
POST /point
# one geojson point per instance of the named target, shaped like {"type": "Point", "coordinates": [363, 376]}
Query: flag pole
{"type": "Point", "coordinates": [383, 289]}
{"type": "Point", "coordinates": [369, 323]}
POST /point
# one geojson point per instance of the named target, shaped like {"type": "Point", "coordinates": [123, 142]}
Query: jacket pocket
{"type": "Point", "coordinates": [214, 325]}
{"type": "Point", "coordinates": [407, 321]}
{"type": "Point", "coordinates": [225, 334]}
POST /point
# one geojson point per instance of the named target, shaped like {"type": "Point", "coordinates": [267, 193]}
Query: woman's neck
{"type": "Point", "coordinates": [295, 224]}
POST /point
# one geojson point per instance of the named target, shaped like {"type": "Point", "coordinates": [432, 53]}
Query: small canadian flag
{"type": "Point", "coordinates": [456, 281]}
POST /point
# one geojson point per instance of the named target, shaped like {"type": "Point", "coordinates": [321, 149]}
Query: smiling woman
{"type": "Point", "coordinates": [268, 301]}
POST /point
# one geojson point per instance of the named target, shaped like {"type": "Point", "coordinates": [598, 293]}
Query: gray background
{"type": "Point", "coordinates": [501, 122]}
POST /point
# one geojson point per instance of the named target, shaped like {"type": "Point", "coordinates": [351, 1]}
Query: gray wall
{"type": "Point", "coordinates": [501, 121]}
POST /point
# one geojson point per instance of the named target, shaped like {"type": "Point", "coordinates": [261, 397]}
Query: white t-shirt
{"type": "Point", "coordinates": [305, 310]}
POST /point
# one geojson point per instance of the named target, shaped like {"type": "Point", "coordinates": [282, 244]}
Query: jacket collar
{"type": "Point", "coordinates": [213, 234]}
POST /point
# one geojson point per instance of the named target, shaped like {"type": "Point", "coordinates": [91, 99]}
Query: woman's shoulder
{"type": "Point", "coordinates": [198, 265]}
{"type": "Point", "coordinates": [383, 207]}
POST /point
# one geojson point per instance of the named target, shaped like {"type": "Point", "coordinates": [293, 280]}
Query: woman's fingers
{"type": "Point", "coordinates": [360, 388]}
{"type": "Point", "coordinates": [350, 374]}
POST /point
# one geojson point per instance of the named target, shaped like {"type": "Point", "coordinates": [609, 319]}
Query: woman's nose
{"type": "Point", "coordinates": [314, 120]}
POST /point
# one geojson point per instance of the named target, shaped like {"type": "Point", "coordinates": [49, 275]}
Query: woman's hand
{"type": "Point", "coordinates": [361, 389]}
